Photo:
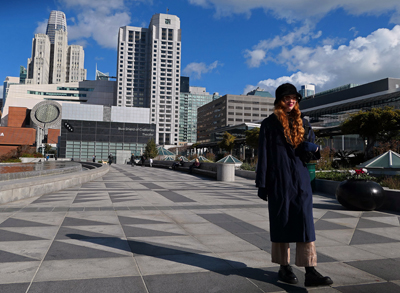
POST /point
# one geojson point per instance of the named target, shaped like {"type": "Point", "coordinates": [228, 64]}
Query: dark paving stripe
{"type": "Point", "coordinates": [248, 232]}
{"type": "Point", "coordinates": [103, 285]}
{"type": "Point", "coordinates": [11, 222]}
{"type": "Point", "coordinates": [362, 237]}
{"type": "Point", "coordinates": [137, 221]}
{"type": "Point", "coordinates": [143, 232]}
{"type": "Point", "coordinates": [370, 288]}
{"type": "Point", "coordinates": [152, 186]}
{"type": "Point", "coordinates": [69, 221]}
{"type": "Point", "coordinates": [386, 269]}
{"type": "Point", "coordinates": [334, 215]}
{"type": "Point", "coordinates": [69, 232]}
{"type": "Point", "coordinates": [148, 208]}
{"type": "Point", "coordinates": [12, 257]}
{"type": "Point", "coordinates": [14, 288]}
{"type": "Point", "coordinates": [150, 249]}
{"type": "Point", "coordinates": [325, 225]}
{"type": "Point", "coordinates": [60, 250]}
{"type": "Point", "coordinates": [365, 223]}
{"type": "Point", "coordinates": [14, 236]}
{"type": "Point", "coordinates": [174, 197]}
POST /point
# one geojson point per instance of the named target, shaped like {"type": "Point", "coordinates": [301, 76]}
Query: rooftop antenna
{"type": "Point", "coordinates": [167, 10]}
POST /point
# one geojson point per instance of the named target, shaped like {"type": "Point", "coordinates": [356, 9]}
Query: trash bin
{"type": "Point", "coordinates": [311, 171]}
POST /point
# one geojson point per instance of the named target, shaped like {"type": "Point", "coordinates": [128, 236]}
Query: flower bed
{"type": "Point", "coordinates": [392, 182]}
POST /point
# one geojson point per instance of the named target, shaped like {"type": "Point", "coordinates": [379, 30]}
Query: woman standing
{"type": "Point", "coordinates": [286, 144]}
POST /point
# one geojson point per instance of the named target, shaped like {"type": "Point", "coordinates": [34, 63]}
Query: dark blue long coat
{"type": "Point", "coordinates": [286, 181]}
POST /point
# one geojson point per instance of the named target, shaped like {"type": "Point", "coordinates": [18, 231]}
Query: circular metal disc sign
{"type": "Point", "coordinates": [47, 113]}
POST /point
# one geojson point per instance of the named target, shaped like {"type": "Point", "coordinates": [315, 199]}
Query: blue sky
{"type": "Point", "coordinates": [228, 46]}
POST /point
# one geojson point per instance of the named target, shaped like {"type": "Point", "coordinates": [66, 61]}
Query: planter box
{"type": "Point", "coordinates": [328, 187]}
{"type": "Point", "coordinates": [245, 174]}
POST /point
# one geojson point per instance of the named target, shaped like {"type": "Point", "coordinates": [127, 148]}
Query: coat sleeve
{"type": "Point", "coordinates": [310, 142]}
{"type": "Point", "coordinates": [262, 158]}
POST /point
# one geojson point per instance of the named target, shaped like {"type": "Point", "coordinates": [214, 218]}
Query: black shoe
{"type": "Point", "coordinates": [313, 278]}
{"type": "Point", "coordinates": [286, 275]}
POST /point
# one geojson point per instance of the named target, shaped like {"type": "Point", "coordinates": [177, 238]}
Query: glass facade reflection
{"type": "Point", "coordinates": [189, 103]}
{"type": "Point", "coordinates": [102, 138]}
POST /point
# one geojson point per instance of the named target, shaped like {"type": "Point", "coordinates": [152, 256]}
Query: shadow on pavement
{"type": "Point", "coordinates": [193, 258]}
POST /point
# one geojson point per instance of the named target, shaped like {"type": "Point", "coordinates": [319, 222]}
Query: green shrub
{"type": "Point", "coordinates": [332, 175]}
{"type": "Point", "coordinates": [248, 167]}
{"type": "Point", "coordinates": [12, 160]}
{"type": "Point", "coordinates": [392, 182]}
{"type": "Point", "coordinates": [27, 155]}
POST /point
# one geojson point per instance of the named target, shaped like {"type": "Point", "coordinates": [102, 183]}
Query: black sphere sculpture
{"type": "Point", "coordinates": [358, 194]}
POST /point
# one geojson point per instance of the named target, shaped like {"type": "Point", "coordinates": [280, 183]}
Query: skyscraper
{"type": "Point", "coordinates": [190, 101]}
{"type": "Point", "coordinates": [148, 72]}
{"type": "Point", "coordinates": [307, 90]}
{"type": "Point", "coordinates": [53, 61]}
{"type": "Point", "coordinates": [75, 61]}
{"type": "Point", "coordinates": [57, 22]}
{"type": "Point", "coordinates": [39, 63]}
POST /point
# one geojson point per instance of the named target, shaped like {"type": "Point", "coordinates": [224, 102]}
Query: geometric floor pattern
{"type": "Point", "coordinates": [155, 230]}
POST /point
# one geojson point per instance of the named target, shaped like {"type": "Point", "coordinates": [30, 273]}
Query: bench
{"type": "Point", "coordinates": [205, 169]}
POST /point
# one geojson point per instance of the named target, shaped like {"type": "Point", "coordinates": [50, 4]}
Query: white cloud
{"type": "Point", "coordinates": [197, 69]}
{"type": "Point", "coordinates": [99, 20]}
{"type": "Point", "coordinates": [354, 30]}
{"type": "Point", "coordinates": [364, 59]}
{"type": "Point", "coordinates": [100, 26]}
{"type": "Point", "coordinates": [259, 53]}
{"type": "Point", "coordinates": [41, 27]}
{"type": "Point", "coordinates": [298, 79]}
{"type": "Point", "coordinates": [294, 10]}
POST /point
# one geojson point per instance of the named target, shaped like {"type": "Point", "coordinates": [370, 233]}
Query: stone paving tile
{"type": "Point", "coordinates": [156, 230]}
{"type": "Point", "coordinates": [371, 288]}
{"type": "Point", "coordinates": [103, 285]}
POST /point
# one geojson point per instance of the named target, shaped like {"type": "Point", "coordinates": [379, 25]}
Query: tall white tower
{"type": "Point", "coordinates": [58, 57]}
{"type": "Point", "coordinates": [148, 73]}
{"type": "Point", "coordinates": [53, 61]}
{"type": "Point", "coordinates": [57, 21]}
{"type": "Point", "coordinates": [75, 64]}
{"type": "Point", "coordinates": [39, 63]}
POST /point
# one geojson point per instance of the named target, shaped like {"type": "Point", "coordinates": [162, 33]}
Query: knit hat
{"type": "Point", "coordinates": [285, 90]}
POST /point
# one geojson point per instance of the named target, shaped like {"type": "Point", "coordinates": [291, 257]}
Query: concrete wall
{"type": "Point", "coordinates": [14, 190]}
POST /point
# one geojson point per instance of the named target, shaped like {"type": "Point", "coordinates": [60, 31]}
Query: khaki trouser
{"type": "Point", "coordinates": [306, 255]}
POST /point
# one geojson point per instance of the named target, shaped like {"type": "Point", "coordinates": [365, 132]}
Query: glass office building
{"type": "Point", "coordinates": [189, 102]}
{"type": "Point", "coordinates": [100, 138]}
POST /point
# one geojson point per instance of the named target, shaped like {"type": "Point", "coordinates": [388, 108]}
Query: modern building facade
{"type": "Point", "coordinates": [260, 92]}
{"type": "Point", "coordinates": [22, 74]}
{"type": "Point", "coordinates": [97, 133]}
{"type": "Point", "coordinates": [328, 109]}
{"type": "Point", "coordinates": [148, 73]}
{"type": "Point", "coordinates": [53, 61]}
{"type": "Point", "coordinates": [231, 110]}
{"type": "Point", "coordinates": [10, 80]}
{"type": "Point", "coordinates": [95, 92]}
{"type": "Point", "coordinates": [189, 103]}
{"type": "Point", "coordinates": [307, 90]}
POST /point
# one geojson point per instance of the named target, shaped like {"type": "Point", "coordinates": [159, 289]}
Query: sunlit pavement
{"type": "Point", "coordinates": [155, 230]}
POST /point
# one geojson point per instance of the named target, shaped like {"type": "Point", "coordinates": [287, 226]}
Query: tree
{"type": "Point", "coordinates": [228, 142]}
{"type": "Point", "coordinates": [377, 124]}
{"type": "Point", "coordinates": [47, 148]}
{"type": "Point", "coordinates": [252, 137]}
{"type": "Point", "coordinates": [151, 149]}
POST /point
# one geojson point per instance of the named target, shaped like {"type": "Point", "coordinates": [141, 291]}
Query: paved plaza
{"type": "Point", "coordinates": [159, 231]}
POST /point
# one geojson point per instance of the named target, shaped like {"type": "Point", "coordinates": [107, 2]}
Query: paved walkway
{"type": "Point", "coordinates": [156, 230]}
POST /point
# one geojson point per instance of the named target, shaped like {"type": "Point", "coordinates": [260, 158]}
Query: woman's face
{"type": "Point", "coordinates": [289, 101]}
